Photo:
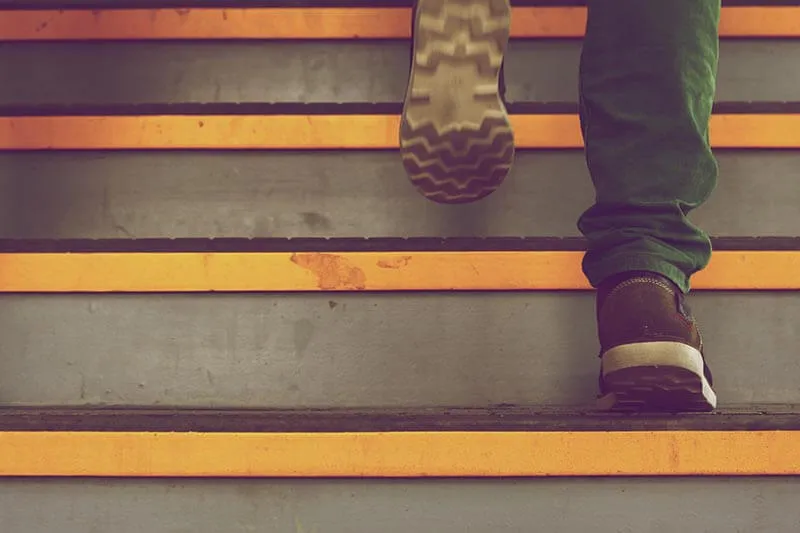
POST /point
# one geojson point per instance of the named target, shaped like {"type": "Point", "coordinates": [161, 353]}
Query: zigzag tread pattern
{"type": "Point", "coordinates": [458, 166]}
{"type": "Point", "coordinates": [473, 29]}
{"type": "Point", "coordinates": [463, 154]}
{"type": "Point", "coordinates": [658, 389]}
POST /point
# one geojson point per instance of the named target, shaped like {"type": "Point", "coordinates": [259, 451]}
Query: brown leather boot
{"type": "Point", "coordinates": [651, 348]}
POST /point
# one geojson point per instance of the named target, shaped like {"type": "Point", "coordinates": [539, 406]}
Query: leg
{"type": "Point", "coordinates": [647, 85]}
{"type": "Point", "coordinates": [455, 138]}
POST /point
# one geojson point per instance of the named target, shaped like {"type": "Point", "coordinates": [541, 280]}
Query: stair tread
{"type": "Point", "coordinates": [486, 419]}
{"type": "Point", "coordinates": [352, 244]}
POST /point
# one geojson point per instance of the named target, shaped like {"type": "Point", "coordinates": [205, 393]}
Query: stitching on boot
{"type": "Point", "coordinates": [642, 279]}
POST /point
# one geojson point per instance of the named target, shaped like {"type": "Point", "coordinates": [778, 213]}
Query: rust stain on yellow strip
{"type": "Point", "coordinates": [321, 132]}
{"type": "Point", "coordinates": [392, 455]}
{"type": "Point", "coordinates": [328, 23]}
{"type": "Point", "coordinates": [357, 271]}
{"type": "Point", "coordinates": [332, 271]}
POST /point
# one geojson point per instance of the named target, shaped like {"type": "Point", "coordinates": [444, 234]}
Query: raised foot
{"type": "Point", "coordinates": [456, 141]}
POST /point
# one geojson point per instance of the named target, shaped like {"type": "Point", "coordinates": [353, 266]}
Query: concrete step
{"type": "Point", "coordinates": [325, 350]}
{"type": "Point", "coordinates": [762, 418]}
{"type": "Point", "coordinates": [708, 505]}
{"type": "Point", "coordinates": [338, 194]}
{"type": "Point", "coordinates": [320, 72]}
{"type": "Point", "coordinates": [336, 350]}
{"type": "Point", "coordinates": [403, 443]}
{"type": "Point", "coordinates": [715, 505]}
{"type": "Point", "coordinates": [404, 350]}
{"type": "Point", "coordinates": [402, 454]}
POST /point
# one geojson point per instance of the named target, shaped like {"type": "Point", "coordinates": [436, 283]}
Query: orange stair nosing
{"type": "Point", "coordinates": [356, 271]}
{"type": "Point", "coordinates": [329, 23]}
{"type": "Point", "coordinates": [325, 132]}
{"type": "Point", "coordinates": [400, 455]}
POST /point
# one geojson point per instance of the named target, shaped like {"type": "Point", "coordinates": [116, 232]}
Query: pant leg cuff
{"type": "Point", "coordinates": [596, 274]}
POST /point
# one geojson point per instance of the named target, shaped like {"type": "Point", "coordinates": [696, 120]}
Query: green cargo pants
{"type": "Point", "coordinates": [648, 77]}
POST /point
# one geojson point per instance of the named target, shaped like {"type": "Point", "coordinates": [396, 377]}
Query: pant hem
{"type": "Point", "coordinates": [619, 265]}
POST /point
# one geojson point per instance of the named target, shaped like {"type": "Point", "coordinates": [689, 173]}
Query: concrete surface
{"type": "Point", "coordinates": [717, 505]}
{"type": "Point", "coordinates": [356, 350]}
{"type": "Point", "coordinates": [336, 350]}
{"type": "Point", "coordinates": [267, 194]}
{"type": "Point", "coordinates": [343, 71]}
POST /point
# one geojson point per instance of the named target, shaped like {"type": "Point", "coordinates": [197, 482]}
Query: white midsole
{"type": "Point", "coordinates": [660, 353]}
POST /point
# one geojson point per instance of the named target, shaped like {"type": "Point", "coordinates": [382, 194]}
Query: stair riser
{"type": "Point", "coordinates": [333, 350]}
{"type": "Point", "coordinates": [716, 505]}
{"type": "Point", "coordinates": [358, 194]}
{"type": "Point", "coordinates": [537, 71]}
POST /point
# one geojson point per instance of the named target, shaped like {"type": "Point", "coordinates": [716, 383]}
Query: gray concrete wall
{"type": "Point", "coordinates": [268, 194]}
{"type": "Point", "coordinates": [280, 350]}
{"type": "Point", "coordinates": [344, 71]}
{"type": "Point", "coordinates": [523, 506]}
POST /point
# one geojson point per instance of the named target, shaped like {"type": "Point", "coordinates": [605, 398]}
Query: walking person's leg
{"type": "Point", "coordinates": [648, 73]}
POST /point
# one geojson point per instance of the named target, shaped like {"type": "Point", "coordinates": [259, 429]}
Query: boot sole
{"type": "Point", "coordinates": [456, 140]}
{"type": "Point", "coordinates": [656, 377]}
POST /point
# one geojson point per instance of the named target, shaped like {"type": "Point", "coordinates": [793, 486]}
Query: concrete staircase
{"type": "Point", "coordinates": [315, 391]}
